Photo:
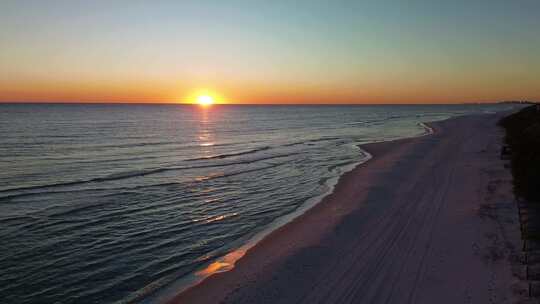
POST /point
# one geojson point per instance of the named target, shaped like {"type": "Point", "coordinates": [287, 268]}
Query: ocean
{"type": "Point", "coordinates": [124, 203]}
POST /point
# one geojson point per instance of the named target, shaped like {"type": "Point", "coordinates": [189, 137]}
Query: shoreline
{"type": "Point", "coordinates": [227, 262]}
{"type": "Point", "coordinates": [312, 228]}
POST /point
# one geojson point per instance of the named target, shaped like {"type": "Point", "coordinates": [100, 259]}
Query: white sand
{"type": "Point", "coordinates": [427, 220]}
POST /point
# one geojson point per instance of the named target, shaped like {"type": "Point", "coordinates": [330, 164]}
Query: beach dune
{"type": "Point", "coordinates": [428, 220]}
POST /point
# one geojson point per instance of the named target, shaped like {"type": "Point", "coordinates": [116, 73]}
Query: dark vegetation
{"type": "Point", "coordinates": [523, 149]}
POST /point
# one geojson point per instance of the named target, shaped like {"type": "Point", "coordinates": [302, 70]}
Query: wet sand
{"type": "Point", "coordinates": [427, 220]}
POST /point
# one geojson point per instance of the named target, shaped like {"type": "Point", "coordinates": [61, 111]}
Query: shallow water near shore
{"type": "Point", "coordinates": [113, 203]}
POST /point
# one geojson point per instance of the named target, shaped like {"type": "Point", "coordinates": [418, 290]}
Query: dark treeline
{"type": "Point", "coordinates": [523, 140]}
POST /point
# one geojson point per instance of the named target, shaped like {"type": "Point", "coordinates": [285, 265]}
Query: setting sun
{"type": "Point", "coordinates": [204, 97]}
{"type": "Point", "coordinates": [205, 100]}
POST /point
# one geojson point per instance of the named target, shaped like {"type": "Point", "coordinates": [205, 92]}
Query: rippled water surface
{"type": "Point", "coordinates": [110, 203]}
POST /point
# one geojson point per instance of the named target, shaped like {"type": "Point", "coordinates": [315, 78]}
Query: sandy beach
{"type": "Point", "coordinates": [427, 220]}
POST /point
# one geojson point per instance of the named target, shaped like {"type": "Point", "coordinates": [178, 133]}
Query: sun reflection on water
{"type": "Point", "coordinates": [206, 136]}
{"type": "Point", "coordinates": [225, 263]}
{"type": "Point", "coordinates": [206, 141]}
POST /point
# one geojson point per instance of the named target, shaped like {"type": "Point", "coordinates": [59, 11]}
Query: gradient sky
{"type": "Point", "coordinates": [270, 51]}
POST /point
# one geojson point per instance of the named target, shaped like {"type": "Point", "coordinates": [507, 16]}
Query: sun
{"type": "Point", "coordinates": [205, 100]}
{"type": "Point", "coordinates": [204, 97]}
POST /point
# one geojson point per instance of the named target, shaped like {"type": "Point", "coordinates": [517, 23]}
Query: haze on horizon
{"type": "Point", "coordinates": [270, 51]}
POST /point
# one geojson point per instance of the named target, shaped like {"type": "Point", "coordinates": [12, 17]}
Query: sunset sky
{"type": "Point", "coordinates": [270, 51]}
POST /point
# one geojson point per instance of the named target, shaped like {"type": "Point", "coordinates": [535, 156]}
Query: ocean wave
{"type": "Point", "coordinates": [309, 141]}
{"type": "Point", "coordinates": [371, 122]}
{"type": "Point", "coordinates": [226, 155]}
{"type": "Point", "coordinates": [126, 175]}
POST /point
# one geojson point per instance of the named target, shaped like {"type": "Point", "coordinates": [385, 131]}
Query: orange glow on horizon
{"type": "Point", "coordinates": [149, 93]}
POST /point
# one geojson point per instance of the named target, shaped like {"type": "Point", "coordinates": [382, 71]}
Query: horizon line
{"type": "Point", "coordinates": [265, 104]}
